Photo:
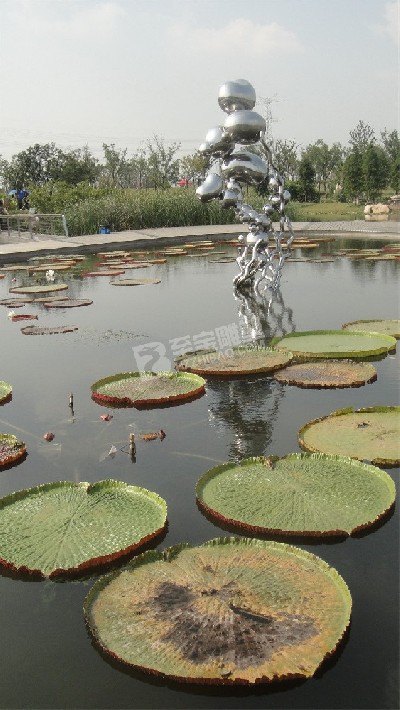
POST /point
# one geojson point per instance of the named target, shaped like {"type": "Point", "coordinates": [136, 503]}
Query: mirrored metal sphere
{"type": "Point", "coordinates": [248, 167]}
{"type": "Point", "coordinates": [236, 95]}
{"type": "Point", "coordinates": [244, 126]}
{"type": "Point", "coordinates": [219, 142]}
{"type": "Point", "coordinates": [286, 195]}
{"type": "Point", "coordinates": [268, 209]}
{"type": "Point", "coordinates": [230, 198]}
{"type": "Point", "coordinates": [210, 188]}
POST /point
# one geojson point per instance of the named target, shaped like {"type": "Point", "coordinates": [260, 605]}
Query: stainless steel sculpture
{"type": "Point", "coordinates": [262, 252]}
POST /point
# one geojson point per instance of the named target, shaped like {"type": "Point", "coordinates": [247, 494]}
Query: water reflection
{"type": "Point", "coordinates": [248, 406]}
{"type": "Point", "coordinates": [263, 316]}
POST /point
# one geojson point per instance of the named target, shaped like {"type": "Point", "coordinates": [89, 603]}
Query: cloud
{"type": "Point", "coordinates": [93, 19]}
{"type": "Point", "coordinates": [391, 21]}
{"type": "Point", "coordinates": [241, 35]}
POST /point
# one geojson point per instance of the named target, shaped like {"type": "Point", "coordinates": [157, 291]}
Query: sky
{"type": "Point", "coordinates": [88, 72]}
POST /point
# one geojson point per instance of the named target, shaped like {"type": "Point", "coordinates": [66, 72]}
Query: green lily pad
{"type": "Point", "coordinates": [387, 326]}
{"type": "Point", "coordinates": [5, 392]}
{"type": "Point", "coordinates": [334, 344]}
{"type": "Point", "coordinates": [44, 288]}
{"type": "Point", "coordinates": [237, 361]}
{"type": "Point", "coordinates": [229, 611]}
{"type": "Point", "coordinates": [11, 449]}
{"type": "Point", "coordinates": [370, 434]}
{"type": "Point", "coordinates": [141, 389]}
{"type": "Point", "coordinates": [298, 494]}
{"type": "Point", "coordinates": [66, 527]}
{"type": "Point", "coordinates": [327, 373]}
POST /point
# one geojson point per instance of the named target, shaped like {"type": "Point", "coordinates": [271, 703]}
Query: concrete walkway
{"type": "Point", "coordinates": [22, 248]}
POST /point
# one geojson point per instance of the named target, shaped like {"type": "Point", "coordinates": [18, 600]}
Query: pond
{"type": "Point", "coordinates": [47, 657]}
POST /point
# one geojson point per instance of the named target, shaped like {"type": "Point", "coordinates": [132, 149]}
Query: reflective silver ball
{"type": "Point", "coordinates": [236, 95]}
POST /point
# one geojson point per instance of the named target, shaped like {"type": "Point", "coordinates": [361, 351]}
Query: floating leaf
{"type": "Point", "coordinates": [48, 330]}
{"type": "Point", "coordinates": [334, 344]}
{"type": "Point", "coordinates": [11, 449]}
{"type": "Point", "coordinates": [53, 267]}
{"type": "Point", "coordinates": [370, 434]}
{"type": "Point", "coordinates": [330, 373]}
{"type": "Point", "coordinates": [152, 435]}
{"type": "Point", "coordinates": [23, 316]}
{"type": "Point", "coordinates": [68, 303]}
{"type": "Point", "coordinates": [387, 327]}
{"type": "Point", "coordinates": [44, 288]}
{"type": "Point", "coordinates": [135, 282]}
{"type": "Point", "coordinates": [238, 361]}
{"type": "Point", "coordinates": [15, 302]}
{"type": "Point", "coordinates": [228, 611]}
{"type": "Point", "coordinates": [64, 527]}
{"type": "Point", "coordinates": [5, 392]}
{"type": "Point", "coordinates": [139, 389]}
{"type": "Point", "coordinates": [298, 494]}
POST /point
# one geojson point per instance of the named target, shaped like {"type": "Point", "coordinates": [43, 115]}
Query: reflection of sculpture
{"type": "Point", "coordinates": [248, 413]}
{"type": "Point", "coordinates": [263, 250]}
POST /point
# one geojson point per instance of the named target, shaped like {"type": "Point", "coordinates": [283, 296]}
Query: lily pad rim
{"type": "Point", "coordinates": [329, 361]}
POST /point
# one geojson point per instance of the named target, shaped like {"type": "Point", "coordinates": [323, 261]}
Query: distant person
{"type": "Point", "coordinates": [22, 199]}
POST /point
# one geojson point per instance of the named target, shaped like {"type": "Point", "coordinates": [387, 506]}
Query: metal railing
{"type": "Point", "coordinates": [34, 224]}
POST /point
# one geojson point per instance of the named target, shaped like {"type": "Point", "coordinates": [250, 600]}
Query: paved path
{"type": "Point", "coordinates": [21, 248]}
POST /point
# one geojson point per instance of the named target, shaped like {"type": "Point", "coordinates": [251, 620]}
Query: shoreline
{"type": "Point", "coordinates": [22, 248]}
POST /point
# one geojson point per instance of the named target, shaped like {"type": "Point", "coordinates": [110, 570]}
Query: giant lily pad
{"type": "Point", "coordinates": [229, 611]}
{"type": "Point", "coordinates": [370, 434]}
{"type": "Point", "coordinates": [140, 389]}
{"type": "Point", "coordinates": [63, 527]}
{"type": "Point", "coordinates": [43, 288]}
{"type": "Point", "coordinates": [299, 494]}
{"type": "Point", "coordinates": [334, 344]}
{"type": "Point", "coordinates": [5, 392]}
{"type": "Point", "coordinates": [238, 361]}
{"type": "Point", "coordinates": [327, 373]}
{"type": "Point", "coordinates": [11, 449]}
{"type": "Point", "coordinates": [387, 327]}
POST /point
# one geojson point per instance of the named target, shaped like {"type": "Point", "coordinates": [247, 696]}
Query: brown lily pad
{"type": "Point", "coordinates": [68, 303]}
{"type": "Point", "coordinates": [43, 288]}
{"type": "Point", "coordinates": [239, 361]}
{"type": "Point", "coordinates": [15, 302]}
{"type": "Point", "coordinates": [231, 611]}
{"type": "Point", "coordinates": [11, 449]}
{"type": "Point", "coordinates": [48, 330]}
{"type": "Point", "coordinates": [5, 392]}
{"type": "Point", "coordinates": [135, 282]}
{"type": "Point", "coordinates": [105, 272]}
{"type": "Point", "coordinates": [327, 373]}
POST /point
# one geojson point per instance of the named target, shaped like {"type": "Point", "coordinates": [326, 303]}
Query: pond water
{"type": "Point", "coordinates": [47, 658]}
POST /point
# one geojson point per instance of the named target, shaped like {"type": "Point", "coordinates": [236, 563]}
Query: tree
{"type": "Point", "coordinates": [78, 166]}
{"type": "Point", "coordinates": [284, 155]}
{"type": "Point", "coordinates": [36, 165]}
{"type": "Point", "coordinates": [326, 162]}
{"type": "Point", "coordinates": [361, 136]}
{"type": "Point", "coordinates": [114, 170]}
{"type": "Point", "coordinates": [391, 145]}
{"type": "Point", "coordinates": [307, 180]}
{"type": "Point", "coordinates": [162, 163]}
{"type": "Point", "coordinates": [353, 175]}
{"type": "Point", "coordinates": [194, 167]}
{"type": "Point", "coordinates": [375, 170]}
